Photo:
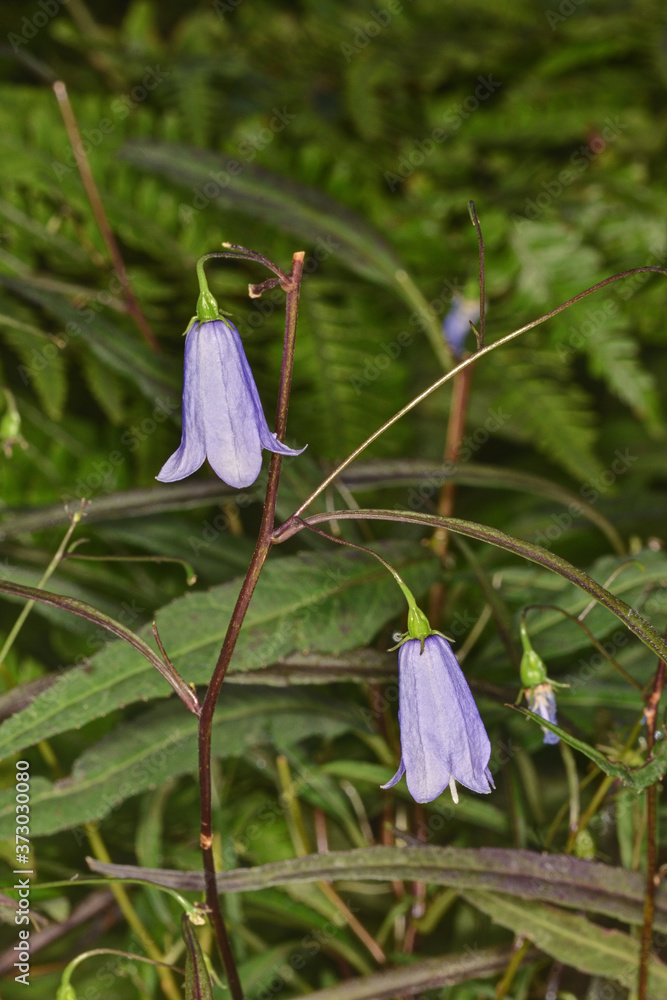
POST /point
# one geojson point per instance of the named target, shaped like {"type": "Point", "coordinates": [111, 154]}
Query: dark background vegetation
{"type": "Point", "coordinates": [358, 138]}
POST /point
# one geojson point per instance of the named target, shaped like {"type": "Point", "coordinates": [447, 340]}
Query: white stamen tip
{"type": "Point", "coordinates": [452, 788]}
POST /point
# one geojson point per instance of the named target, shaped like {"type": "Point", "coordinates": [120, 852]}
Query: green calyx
{"type": "Point", "coordinates": [532, 668]}
{"type": "Point", "coordinates": [207, 307]}
{"type": "Point", "coordinates": [418, 624]}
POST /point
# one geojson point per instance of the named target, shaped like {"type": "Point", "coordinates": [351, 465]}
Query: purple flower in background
{"type": "Point", "coordinates": [542, 701]}
{"type": "Point", "coordinates": [223, 418]}
{"type": "Point", "coordinates": [443, 739]}
{"type": "Point", "coordinates": [456, 324]}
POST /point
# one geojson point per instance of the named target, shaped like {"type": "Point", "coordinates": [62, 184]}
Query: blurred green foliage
{"type": "Point", "coordinates": [357, 133]}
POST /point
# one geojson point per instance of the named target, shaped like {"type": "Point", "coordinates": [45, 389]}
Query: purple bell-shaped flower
{"type": "Point", "coordinates": [223, 419]}
{"type": "Point", "coordinates": [443, 739]}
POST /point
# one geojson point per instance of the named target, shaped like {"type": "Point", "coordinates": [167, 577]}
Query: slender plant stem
{"type": "Point", "coordinates": [526, 550]}
{"type": "Point", "coordinates": [651, 714]}
{"type": "Point", "coordinates": [291, 285]}
{"type": "Point", "coordinates": [447, 497]}
{"type": "Point", "coordinates": [455, 428]}
{"type": "Point", "coordinates": [59, 555]}
{"type": "Point", "coordinates": [97, 206]}
{"type": "Point", "coordinates": [461, 367]}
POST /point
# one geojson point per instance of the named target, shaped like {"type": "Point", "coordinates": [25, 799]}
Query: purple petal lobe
{"type": "Point", "coordinates": [192, 452]}
{"type": "Point", "coordinates": [397, 777]}
{"type": "Point", "coordinates": [442, 733]}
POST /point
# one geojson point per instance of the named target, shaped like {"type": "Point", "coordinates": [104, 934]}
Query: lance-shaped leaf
{"type": "Point", "coordinates": [573, 882]}
{"type": "Point", "coordinates": [637, 778]}
{"type": "Point", "coordinates": [420, 977]}
{"type": "Point", "coordinates": [162, 743]}
{"type": "Point", "coordinates": [573, 940]}
{"type": "Point", "coordinates": [83, 610]}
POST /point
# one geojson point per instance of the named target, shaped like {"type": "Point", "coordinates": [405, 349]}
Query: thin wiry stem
{"type": "Point", "coordinates": [97, 206]}
{"type": "Point", "coordinates": [461, 367]}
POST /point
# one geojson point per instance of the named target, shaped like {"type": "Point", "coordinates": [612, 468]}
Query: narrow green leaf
{"type": "Point", "coordinates": [535, 553]}
{"type": "Point", "coordinates": [83, 610]}
{"type": "Point", "coordinates": [573, 940]}
{"type": "Point", "coordinates": [297, 208]}
{"type": "Point", "coordinates": [162, 744]}
{"type": "Point", "coordinates": [573, 882]}
{"type": "Point", "coordinates": [637, 778]}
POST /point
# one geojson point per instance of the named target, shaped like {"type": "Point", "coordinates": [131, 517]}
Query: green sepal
{"type": "Point", "coordinates": [207, 307]}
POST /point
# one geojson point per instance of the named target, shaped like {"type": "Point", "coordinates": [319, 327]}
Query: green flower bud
{"type": "Point", "coordinates": [532, 669]}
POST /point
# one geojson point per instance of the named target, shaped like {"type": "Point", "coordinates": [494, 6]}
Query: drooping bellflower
{"type": "Point", "coordinates": [223, 419]}
{"type": "Point", "coordinates": [443, 739]}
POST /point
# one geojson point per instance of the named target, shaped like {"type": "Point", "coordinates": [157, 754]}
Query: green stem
{"type": "Point", "coordinates": [492, 536]}
{"type": "Point", "coordinates": [412, 294]}
{"type": "Point", "coordinates": [598, 645]}
{"type": "Point", "coordinates": [48, 572]}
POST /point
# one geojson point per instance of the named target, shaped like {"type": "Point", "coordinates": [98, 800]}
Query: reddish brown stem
{"type": "Point", "coordinates": [264, 542]}
{"type": "Point", "coordinates": [103, 225]}
{"type": "Point", "coordinates": [455, 429]}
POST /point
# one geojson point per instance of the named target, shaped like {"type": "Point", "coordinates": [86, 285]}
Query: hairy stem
{"type": "Point", "coordinates": [103, 224]}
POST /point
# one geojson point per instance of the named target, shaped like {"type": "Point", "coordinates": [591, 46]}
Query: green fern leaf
{"type": "Point", "coordinates": [556, 415]}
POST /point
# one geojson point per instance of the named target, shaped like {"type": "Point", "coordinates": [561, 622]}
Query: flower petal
{"type": "Point", "coordinates": [233, 446]}
{"type": "Point", "coordinates": [442, 733]}
{"type": "Point", "coordinates": [192, 451]}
